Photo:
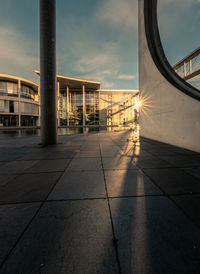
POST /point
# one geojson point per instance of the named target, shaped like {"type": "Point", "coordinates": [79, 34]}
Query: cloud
{"type": "Point", "coordinates": [126, 77]}
{"type": "Point", "coordinates": [17, 54]}
{"type": "Point", "coordinates": [94, 62]}
{"type": "Point", "coordinates": [118, 13]}
{"type": "Point", "coordinates": [86, 48]}
{"type": "Point", "coordinates": [98, 67]}
{"type": "Point", "coordinates": [84, 56]}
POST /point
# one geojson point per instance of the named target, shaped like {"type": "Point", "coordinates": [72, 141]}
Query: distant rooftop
{"type": "Point", "coordinates": [74, 82]}
{"type": "Point", "coordinates": [13, 78]}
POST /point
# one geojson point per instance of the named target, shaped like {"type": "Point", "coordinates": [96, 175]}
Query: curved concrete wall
{"type": "Point", "coordinates": [167, 114]}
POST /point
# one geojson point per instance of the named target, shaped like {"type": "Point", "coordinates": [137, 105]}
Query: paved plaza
{"type": "Point", "coordinates": [99, 203]}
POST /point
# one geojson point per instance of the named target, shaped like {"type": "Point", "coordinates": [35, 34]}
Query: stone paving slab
{"type": "Point", "coordinates": [5, 178]}
{"type": "Point", "coordinates": [136, 151]}
{"type": "Point", "coordinates": [16, 167]}
{"type": "Point", "coordinates": [109, 146]}
{"type": "Point", "coordinates": [90, 147]}
{"type": "Point", "coordinates": [151, 162]}
{"type": "Point", "coordinates": [46, 155]}
{"type": "Point", "coordinates": [28, 187]}
{"type": "Point", "coordinates": [79, 185]}
{"type": "Point", "coordinates": [119, 162]}
{"type": "Point", "coordinates": [193, 171]}
{"type": "Point", "coordinates": [104, 206]}
{"type": "Point", "coordinates": [85, 164]}
{"type": "Point", "coordinates": [39, 155]}
{"type": "Point", "coordinates": [49, 166]}
{"type": "Point", "coordinates": [4, 156]}
{"type": "Point", "coordinates": [87, 154]}
{"type": "Point", "coordinates": [122, 183]}
{"type": "Point", "coordinates": [3, 163]}
{"type": "Point", "coordinates": [181, 160]}
{"type": "Point", "coordinates": [154, 236]}
{"type": "Point", "coordinates": [190, 204]}
{"type": "Point", "coordinates": [14, 219]}
{"type": "Point", "coordinates": [67, 237]}
{"type": "Point", "coordinates": [110, 153]}
{"type": "Point", "coordinates": [174, 181]}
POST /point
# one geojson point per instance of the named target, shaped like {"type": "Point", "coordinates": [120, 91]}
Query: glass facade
{"type": "Point", "coordinates": [27, 92]}
{"type": "Point", "coordinates": [8, 88]}
{"type": "Point", "coordinates": [7, 106]}
{"type": "Point", "coordinates": [117, 108]}
{"type": "Point", "coordinates": [12, 108]}
{"type": "Point", "coordinates": [92, 107]}
{"type": "Point", "coordinates": [106, 108]}
{"type": "Point", "coordinates": [80, 103]}
{"type": "Point", "coordinates": [9, 120]}
{"type": "Point", "coordinates": [28, 121]}
{"type": "Point", "coordinates": [76, 108]}
{"type": "Point", "coordinates": [63, 111]}
{"type": "Point", "coordinates": [11, 89]}
{"type": "Point", "coordinates": [13, 121]}
{"type": "Point", "coordinates": [29, 108]}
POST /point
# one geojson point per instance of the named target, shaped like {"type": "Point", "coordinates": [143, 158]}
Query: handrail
{"type": "Point", "coordinates": [157, 52]}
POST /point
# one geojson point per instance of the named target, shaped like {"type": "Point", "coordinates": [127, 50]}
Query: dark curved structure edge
{"type": "Point", "coordinates": [157, 52]}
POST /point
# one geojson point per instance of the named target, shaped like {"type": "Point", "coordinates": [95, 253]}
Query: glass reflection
{"type": "Point", "coordinates": [92, 108]}
{"type": "Point", "coordinates": [8, 88]}
{"type": "Point", "coordinates": [118, 108]}
{"type": "Point", "coordinates": [27, 92]}
{"type": "Point", "coordinates": [100, 108]}
{"type": "Point", "coordinates": [76, 108]}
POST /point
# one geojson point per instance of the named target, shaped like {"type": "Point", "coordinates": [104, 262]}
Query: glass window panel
{"type": "Point", "coordinates": [1, 105]}
{"type": "Point", "coordinates": [76, 107]}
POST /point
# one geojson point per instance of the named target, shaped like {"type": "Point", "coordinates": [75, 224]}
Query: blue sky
{"type": "Point", "coordinates": [179, 25]}
{"type": "Point", "coordinates": [96, 39]}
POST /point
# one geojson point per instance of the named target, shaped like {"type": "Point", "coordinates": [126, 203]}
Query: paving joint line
{"type": "Point", "coordinates": [31, 220]}
{"type": "Point", "coordinates": [115, 240]}
{"type": "Point", "coordinates": [46, 201]}
{"type": "Point", "coordinates": [169, 196]}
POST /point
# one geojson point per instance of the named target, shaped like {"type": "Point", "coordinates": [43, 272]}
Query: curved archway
{"type": "Point", "coordinates": [157, 52]}
{"type": "Point", "coordinates": [170, 106]}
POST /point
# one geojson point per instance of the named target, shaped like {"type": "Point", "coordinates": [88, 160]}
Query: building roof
{"type": "Point", "coordinates": [13, 78]}
{"type": "Point", "coordinates": [120, 91]}
{"type": "Point", "coordinates": [74, 83]}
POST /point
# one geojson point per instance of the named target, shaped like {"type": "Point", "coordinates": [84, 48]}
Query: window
{"type": "Point", "coordinates": [8, 88]}
{"type": "Point", "coordinates": [27, 92]}
{"type": "Point", "coordinates": [11, 106]}
{"type": "Point", "coordinates": [1, 105]}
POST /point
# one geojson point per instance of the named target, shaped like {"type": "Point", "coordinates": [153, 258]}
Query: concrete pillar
{"type": "Point", "coordinates": [190, 66]}
{"type": "Point", "coordinates": [68, 110]}
{"type": "Point", "coordinates": [48, 71]}
{"type": "Point", "coordinates": [19, 100]}
{"type": "Point", "coordinates": [70, 102]}
{"type": "Point", "coordinates": [38, 124]}
{"type": "Point", "coordinates": [58, 102]}
{"type": "Point", "coordinates": [84, 110]}
{"type": "Point", "coordinates": [185, 69]}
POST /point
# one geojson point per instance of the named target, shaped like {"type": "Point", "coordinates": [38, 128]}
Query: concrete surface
{"type": "Point", "coordinates": [167, 114]}
{"type": "Point", "coordinates": [70, 208]}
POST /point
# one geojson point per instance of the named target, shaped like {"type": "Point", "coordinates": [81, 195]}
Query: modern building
{"type": "Point", "coordinates": [84, 103]}
{"type": "Point", "coordinates": [19, 102]}
{"type": "Point", "coordinates": [118, 107]}
{"type": "Point", "coordinates": [80, 103]}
